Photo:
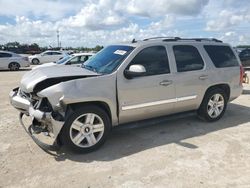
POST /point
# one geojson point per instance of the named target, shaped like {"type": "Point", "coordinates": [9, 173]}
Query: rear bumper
{"type": "Point", "coordinates": [24, 105]}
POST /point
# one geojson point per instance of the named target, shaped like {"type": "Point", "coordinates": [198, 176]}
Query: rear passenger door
{"type": "Point", "coordinates": [4, 59]}
{"type": "Point", "coordinates": [191, 77]}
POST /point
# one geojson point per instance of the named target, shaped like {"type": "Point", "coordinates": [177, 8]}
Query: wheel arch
{"type": "Point", "coordinates": [225, 87]}
{"type": "Point", "coordinates": [100, 104]}
{"type": "Point", "coordinates": [13, 62]}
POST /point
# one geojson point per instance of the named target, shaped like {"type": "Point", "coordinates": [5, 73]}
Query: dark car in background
{"type": "Point", "coordinates": [245, 58]}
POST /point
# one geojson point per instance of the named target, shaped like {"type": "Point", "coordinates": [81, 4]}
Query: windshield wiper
{"type": "Point", "coordinates": [89, 67]}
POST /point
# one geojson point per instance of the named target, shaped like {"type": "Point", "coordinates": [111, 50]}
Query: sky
{"type": "Point", "coordinates": [103, 22]}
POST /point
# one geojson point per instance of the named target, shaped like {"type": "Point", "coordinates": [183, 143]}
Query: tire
{"type": "Point", "coordinates": [78, 132]}
{"type": "Point", "coordinates": [213, 105]}
{"type": "Point", "coordinates": [14, 66]}
{"type": "Point", "coordinates": [35, 61]}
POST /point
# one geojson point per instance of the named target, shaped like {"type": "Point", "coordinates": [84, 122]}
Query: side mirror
{"type": "Point", "coordinates": [134, 71]}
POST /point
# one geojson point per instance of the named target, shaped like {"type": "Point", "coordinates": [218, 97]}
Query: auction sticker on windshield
{"type": "Point", "coordinates": [120, 52]}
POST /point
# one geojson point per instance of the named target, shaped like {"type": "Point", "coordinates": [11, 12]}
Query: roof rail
{"type": "Point", "coordinates": [165, 38]}
{"type": "Point", "coordinates": [193, 39]}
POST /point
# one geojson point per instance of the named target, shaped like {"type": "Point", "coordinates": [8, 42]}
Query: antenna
{"type": "Point", "coordinates": [58, 37]}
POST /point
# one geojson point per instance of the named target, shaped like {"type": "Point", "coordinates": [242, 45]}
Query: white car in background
{"type": "Point", "coordinates": [12, 61]}
{"type": "Point", "coordinates": [46, 57]}
{"type": "Point", "coordinates": [76, 60]}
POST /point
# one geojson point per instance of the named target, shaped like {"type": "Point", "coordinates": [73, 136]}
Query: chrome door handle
{"type": "Point", "coordinates": [203, 77]}
{"type": "Point", "coordinates": [166, 82]}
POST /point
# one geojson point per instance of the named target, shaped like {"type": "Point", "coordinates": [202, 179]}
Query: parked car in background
{"type": "Point", "coordinates": [245, 58]}
{"type": "Point", "coordinates": [129, 82]}
{"type": "Point", "coordinates": [46, 57]}
{"type": "Point", "coordinates": [12, 61]}
{"type": "Point", "coordinates": [76, 60]}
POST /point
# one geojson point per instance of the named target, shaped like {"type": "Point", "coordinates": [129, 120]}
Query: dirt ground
{"type": "Point", "coordinates": [176, 152]}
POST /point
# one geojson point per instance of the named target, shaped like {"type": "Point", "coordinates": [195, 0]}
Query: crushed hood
{"type": "Point", "coordinates": [51, 75]}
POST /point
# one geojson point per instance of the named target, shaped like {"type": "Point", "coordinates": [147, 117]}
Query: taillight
{"type": "Point", "coordinates": [242, 72]}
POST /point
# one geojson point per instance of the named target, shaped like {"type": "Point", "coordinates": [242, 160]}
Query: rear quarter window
{"type": "Point", "coordinates": [221, 56]}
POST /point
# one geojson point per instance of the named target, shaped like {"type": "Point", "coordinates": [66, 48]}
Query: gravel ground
{"type": "Point", "coordinates": [176, 152]}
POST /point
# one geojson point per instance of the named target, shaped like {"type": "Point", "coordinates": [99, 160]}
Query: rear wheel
{"type": "Point", "coordinates": [86, 129]}
{"type": "Point", "coordinates": [14, 66]}
{"type": "Point", "coordinates": [213, 105]}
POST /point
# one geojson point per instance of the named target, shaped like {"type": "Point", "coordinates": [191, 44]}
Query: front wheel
{"type": "Point", "coordinates": [213, 105]}
{"type": "Point", "coordinates": [86, 129]}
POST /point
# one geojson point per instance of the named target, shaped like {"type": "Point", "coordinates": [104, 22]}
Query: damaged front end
{"type": "Point", "coordinates": [44, 118]}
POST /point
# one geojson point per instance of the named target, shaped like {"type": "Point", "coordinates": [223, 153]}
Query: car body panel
{"type": "Point", "coordinates": [5, 61]}
{"type": "Point", "coordinates": [138, 98]}
{"type": "Point", "coordinates": [47, 57]}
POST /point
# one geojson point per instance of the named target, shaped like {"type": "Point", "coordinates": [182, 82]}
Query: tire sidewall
{"type": "Point", "coordinates": [12, 63]}
{"type": "Point", "coordinates": [35, 63]}
{"type": "Point", "coordinates": [65, 133]}
{"type": "Point", "coordinates": [203, 112]}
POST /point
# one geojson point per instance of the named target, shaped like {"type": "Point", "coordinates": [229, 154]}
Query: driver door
{"type": "Point", "coordinates": [149, 95]}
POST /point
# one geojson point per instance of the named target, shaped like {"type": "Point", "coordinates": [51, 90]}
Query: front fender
{"type": "Point", "coordinates": [92, 89]}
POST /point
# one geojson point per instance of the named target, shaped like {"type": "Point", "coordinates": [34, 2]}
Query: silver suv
{"type": "Point", "coordinates": [129, 82]}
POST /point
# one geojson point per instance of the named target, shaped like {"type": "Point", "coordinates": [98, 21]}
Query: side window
{"type": "Point", "coordinates": [222, 56]}
{"type": "Point", "coordinates": [75, 60]}
{"type": "Point", "coordinates": [245, 53]}
{"type": "Point", "coordinates": [47, 53]}
{"type": "Point", "coordinates": [3, 55]}
{"type": "Point", "coordinates": [154, 59]}
{"type": "Point", "coordinates": [187, 58]}
{"type": "Point", "coordinates": [56, 53]}
{"type": "Point", "coordinates": [84, 58]}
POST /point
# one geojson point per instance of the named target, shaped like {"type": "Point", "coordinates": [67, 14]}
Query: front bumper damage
{"type": "Point", "coordinates": [42, 122]}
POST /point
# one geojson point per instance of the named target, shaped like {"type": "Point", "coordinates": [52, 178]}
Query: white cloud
{"type": "Point", "coordinates": [151, 8]}
{"type": "Point", "coordinates": [92, 22]}
{"type": "Point", "coordinates": [95, 17]}
{"type": "Point", "coordinates": [227, 19]}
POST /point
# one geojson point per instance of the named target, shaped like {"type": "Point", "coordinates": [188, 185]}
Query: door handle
{"type": "Point", "coordinates": [166, 82]}
{"type": "Point", "coordinates": [203, 77]}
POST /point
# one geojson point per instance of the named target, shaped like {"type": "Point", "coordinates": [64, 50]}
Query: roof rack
{"type": "Point", "coordinates": [194, 39]}
{"type": "Point", "coordinates": [171, 39]}
{"type": "Point", "coordinates": [165, 38]}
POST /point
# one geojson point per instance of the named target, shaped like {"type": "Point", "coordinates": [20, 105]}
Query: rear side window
{"type": "Point", "coordinates": [56, 53]}
{"type": "Point", "coordinates": [154, 59]}
{"type": "Point", "coordinates": [222, 56]}
{"type": "Point", "coordinates": [187, 58]}
{"type": "Point", "coordinates": [3, 55]}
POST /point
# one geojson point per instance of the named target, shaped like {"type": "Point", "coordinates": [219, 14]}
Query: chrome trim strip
{"type": "Point", "coordinates": [186, 98]}
{"type": "Point", "coordinates": [180, 99]}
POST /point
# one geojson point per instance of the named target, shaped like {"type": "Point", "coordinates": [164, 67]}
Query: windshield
{"type": "Point", "coordinates": [108, 59]}
{"type": "Point", "coordinates": [63, 60]}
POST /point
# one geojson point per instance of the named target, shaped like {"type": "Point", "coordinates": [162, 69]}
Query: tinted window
{"type": "Point", "coordinates": [3, 55]}
{"type": "Point", "coordinates": [222, 56]}
{"type": "Point", "coordinates": [187, 58]}
{"type": "Point", "coordinates": [56, 53]}
{"type": "Point", "coordinates": [108, 59]}
{"type": "Point", "coordinates": [47, 53]}
{"type": "Point", "coordinates": [245, 53]}
{"type": "Point", "coordinates": [154, 59]}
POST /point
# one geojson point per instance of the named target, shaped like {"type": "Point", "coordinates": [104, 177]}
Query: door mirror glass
{"type": "Point", "coordinates": [134, 71]}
